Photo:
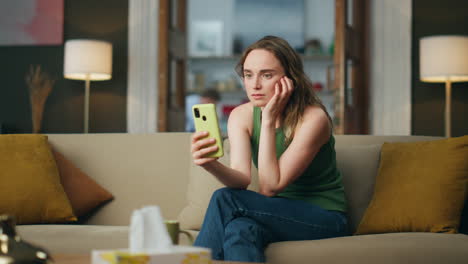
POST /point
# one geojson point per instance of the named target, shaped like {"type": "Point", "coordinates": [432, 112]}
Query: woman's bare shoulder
{"type": "Point", "coordinates": [315, 112]}
{"type": "Point", "coordinates": [243, 109]}
{"type": "Point", "coordinates": [316, 117]}
{"type": "Point", "coordinates": [242, 116]}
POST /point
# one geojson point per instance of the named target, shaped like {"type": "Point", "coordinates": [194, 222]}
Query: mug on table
{"type": "Point", "coordinates": [173, 228]}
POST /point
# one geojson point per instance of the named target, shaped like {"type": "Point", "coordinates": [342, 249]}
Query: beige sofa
{"type": "Point", "coordinates": [155, 169]}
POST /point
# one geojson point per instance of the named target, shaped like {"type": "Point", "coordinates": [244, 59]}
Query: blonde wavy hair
{"type": "Point", "coordinates": [302, 95]}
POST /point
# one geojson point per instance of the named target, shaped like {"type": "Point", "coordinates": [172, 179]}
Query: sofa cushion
{"type": "Point", "coordinates": [420, 187]}
{"type": "Point", "coordinates": [414, 248]}
{"type": "Point", "coordinates": [75, 239]}
{"type": "Point", "coordinates": [31, 185]}
{"type": "Point", "coordinates": [358, 177]}
{"type": "Point", "coordinates": [84, 193]}
{"type": "Point", "coordinates": [200, 188]}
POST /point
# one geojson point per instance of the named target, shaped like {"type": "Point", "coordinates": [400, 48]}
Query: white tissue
{"type": "Point", "coordinates": [148, 232]}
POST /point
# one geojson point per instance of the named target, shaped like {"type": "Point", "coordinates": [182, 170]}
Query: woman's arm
{"type": "Point", "coordinates": [274, 175]}
{"type": "Point", "coordinates": [238, 176]}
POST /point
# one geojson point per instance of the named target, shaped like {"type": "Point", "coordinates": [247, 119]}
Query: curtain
{"type": "Point", "coordinates": [142, 92]}
{"type": "Point", "coordinates": [390, 67]}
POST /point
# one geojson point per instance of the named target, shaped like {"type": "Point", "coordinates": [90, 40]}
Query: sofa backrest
{"type": "Point", "coordinates": [138, 169]}
{"type": "Point", "coordinates": [155, 169]}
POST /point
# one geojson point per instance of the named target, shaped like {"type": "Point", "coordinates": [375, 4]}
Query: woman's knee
{"type": "Point", "coordinates": [222, 194]}
{"type": "Point", "coordinates": [235, 201]}
{"type": "Point", "coordinates": [245, 228]}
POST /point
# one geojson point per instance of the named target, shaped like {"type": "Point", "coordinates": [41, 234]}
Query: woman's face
{"type": "Point", "coordinates": [262, 70]}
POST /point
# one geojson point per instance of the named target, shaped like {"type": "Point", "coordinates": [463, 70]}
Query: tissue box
{"type": "Point", "coordinates": [178, 255]}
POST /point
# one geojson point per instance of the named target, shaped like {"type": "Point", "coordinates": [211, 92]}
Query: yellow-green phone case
{"type": "Point", "coordinates": [207, 120]}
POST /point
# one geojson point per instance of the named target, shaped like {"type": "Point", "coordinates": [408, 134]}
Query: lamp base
{"type": "Point", "coordinates": [86, 105]}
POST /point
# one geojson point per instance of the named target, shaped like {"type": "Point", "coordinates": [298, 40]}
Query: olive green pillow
{"type": "Point", "coordinates": [420, 187]}
{"type": "Point", "coordinates": [30, 184]}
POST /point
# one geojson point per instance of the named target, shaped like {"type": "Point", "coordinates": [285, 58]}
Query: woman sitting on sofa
{"type": "Point", "coordinates": [287, 132]}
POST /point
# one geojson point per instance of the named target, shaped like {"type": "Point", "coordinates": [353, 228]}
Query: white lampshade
{"type": "Point", "coordinates": [88, 59]}
{"type": "Point", "coordinates": [444, 58]}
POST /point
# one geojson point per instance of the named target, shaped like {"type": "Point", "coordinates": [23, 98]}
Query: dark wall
{"type": "Point", "coordinates": [63, 112]}
{"type": "Point", "coordinates": [435, 17]}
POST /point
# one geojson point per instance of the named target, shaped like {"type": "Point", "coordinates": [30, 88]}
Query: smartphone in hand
{"type": "Point", "coordinates": [206, 119]}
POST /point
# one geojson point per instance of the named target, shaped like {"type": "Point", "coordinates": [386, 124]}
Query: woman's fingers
{"type": "Point", "coordinates": [287, 89]}
{"type": "Point", "coordinates": [198, 135]}
{"type": "Point", "coordinates": [284, 84]}
{"type": "Point", "coordinates": [277, 90]}
{"type": "Point", "coordinates": [289, 84]}
{"type": "Point", "coordinates": [202, 143]}
{"type": "Point", "coordinates": [201, 146]}
{"type": "Point", "coordinates": [204, 151]}
{"type": "Point", "coordinates": [200, 162]}
{"type": "Point", "coordinates": [283, 89]}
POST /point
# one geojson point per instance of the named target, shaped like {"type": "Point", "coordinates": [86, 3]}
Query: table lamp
{"type": "Point", "coordinates": [88, 60]}
{"type": "Point", "coordinates": [444, 59]}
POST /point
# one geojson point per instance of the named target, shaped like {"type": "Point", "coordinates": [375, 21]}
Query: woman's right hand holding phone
{"type": "Point", "coordinates": [201, 146]}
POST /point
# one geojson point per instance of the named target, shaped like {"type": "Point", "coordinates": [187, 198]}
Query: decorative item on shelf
{"type": "Point", "coordinates": [317, 87]}
{"type": "Point", "coordinates": [330, 77]}
{"type": "Point", "coordinates": [190, 82]}
{"type": "Point", "coordinates": [331, 48]}
{"type": "Point", "coordinates": [199, 82]}
{"type": "Point", "coordinates": [313, 47]}
{"type": "Point", "coordinates": [444, 59]}
{"type": "Point", "coordinates": [231, 84]}
{"type": "Point", "coordinates": [207, 38]}
{"type": "Point", "coordinates": [220, 86]}
{"type": "Point", "coordinates": [13, 250]}
{"type": "Point", "coordinates": [40, 84]}
{"type": "Point", "coordinates": [226, 111]}
{"type": "Point", "coordinates": [88, 60]}
{"type": "Point", "coordinates": [237, 45]}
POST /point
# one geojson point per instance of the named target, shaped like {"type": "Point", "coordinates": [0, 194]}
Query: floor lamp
{"type": "Point", "coordinates": [87, 60]}
{"type": "Point", "coordinates": [444, 59]}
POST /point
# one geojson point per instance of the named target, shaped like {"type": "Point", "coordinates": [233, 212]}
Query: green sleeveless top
{"type": "Point", "coordinates": [320, 183]}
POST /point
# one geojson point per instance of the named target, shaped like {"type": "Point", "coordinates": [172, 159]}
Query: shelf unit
{"type": "Point", "coordinates": [219, 69]}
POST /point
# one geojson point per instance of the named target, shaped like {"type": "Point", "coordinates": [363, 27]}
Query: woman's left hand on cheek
{"type": "Point", "coordinates": [283, 90]}
{"type": "Point", "coordinates": [286, 90]}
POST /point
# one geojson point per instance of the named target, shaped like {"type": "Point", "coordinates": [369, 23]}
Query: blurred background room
{"type": "Point", "coordinates": [362, 56]}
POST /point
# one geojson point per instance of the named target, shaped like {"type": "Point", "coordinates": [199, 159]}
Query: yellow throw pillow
{"type": "Point", "coordinates": [30, 184]}
{"type": "Point", "coordinates": [420, 187]}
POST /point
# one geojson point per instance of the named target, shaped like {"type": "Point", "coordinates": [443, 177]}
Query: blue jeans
{"type": "Point", "coordinates": [239, 224]}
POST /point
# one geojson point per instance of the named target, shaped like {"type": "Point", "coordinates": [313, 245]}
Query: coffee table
{"type": "Point", "coordinates": [86, 259]}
